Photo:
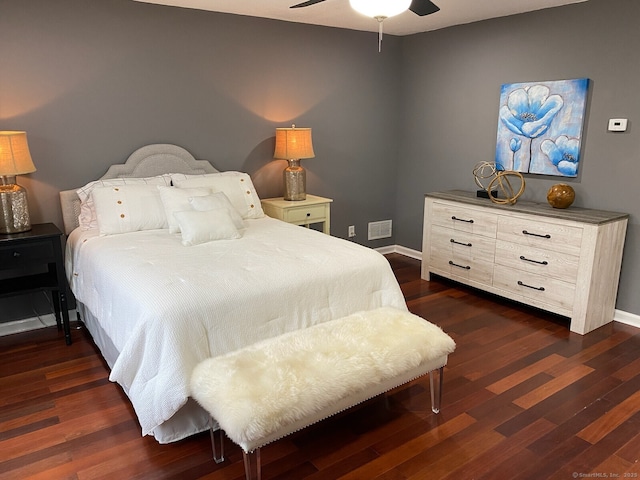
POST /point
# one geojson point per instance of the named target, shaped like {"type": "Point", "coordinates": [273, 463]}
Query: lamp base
{"type": "Point", "coordinates": [14, 210]}
{"type": "Point", "coordinates": [295, 181]}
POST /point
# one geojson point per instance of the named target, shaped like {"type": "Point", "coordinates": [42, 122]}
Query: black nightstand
{"type": "Point", "coordinates": [33, 261]}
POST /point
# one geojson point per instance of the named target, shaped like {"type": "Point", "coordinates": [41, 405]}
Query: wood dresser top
{"type": "Point", "coordinates": [574, 214]}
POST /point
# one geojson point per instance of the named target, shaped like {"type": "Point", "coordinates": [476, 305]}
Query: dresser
{"type": "Point", "coordinates": [565, 261]}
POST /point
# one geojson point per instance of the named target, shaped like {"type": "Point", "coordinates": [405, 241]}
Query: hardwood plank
{"type": "Point", "coordinates": [553, 386]}
{"type": "Point", "coordinates": [591, 457]}
{"type": "Point", "coordinates": [630, 451]}
{"type": "Point", "coordinates": [566, 430]}
{"type": "Point", "coordinates": [410, 449]}
{"type": "Point", "coordinates": [556, 460]}
{"type": "Point", "coordinates": [582, 393]}
{"type": "Point", "coordinates": [612, 463]}
{"type": "Point", "coordinates": [499, 454]}
{"type": "Point", "coordinates": [628, 371]}
{"type": "Point", "coordinates": [438, 462]}
{"type": "Point", "coordinates": [506, 400]}
{"type": "Point", "coordinates": [604, 425]}
{"type": "Point", "coordinates": [523, 374]}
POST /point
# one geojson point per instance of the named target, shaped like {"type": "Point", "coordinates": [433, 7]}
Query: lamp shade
{"type": "Point", "coordinates": [15, 158]}
{"type": "Point", "coordinates": [293, 143]}
{"type": "Point", "coordinates": [380, 8]}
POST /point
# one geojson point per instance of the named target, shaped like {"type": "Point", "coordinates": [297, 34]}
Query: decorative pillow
{"type": "Point", "coordinates": [201, 227]}
{"type": "Point", "coordinates": [177, 200]}
{"type": "Point", "coordinates": [216, 201]}
{"type": "Point", "coordinates": [87, 217]}
{"type": "Point", "coordinates": [128, 208]}
{"type": "Point", "coordinates": [235, 185]}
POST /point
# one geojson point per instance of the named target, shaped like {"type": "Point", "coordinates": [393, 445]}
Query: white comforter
{"type": "Point", "coordinates": [166, 307]}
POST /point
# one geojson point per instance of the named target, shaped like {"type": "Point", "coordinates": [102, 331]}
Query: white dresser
{"type": "Point", "coordinates": [566, 261]}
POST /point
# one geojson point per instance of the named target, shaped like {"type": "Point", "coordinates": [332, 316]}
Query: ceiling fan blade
{"type": "Point", "coordinates": [306, 4]}
{"type": "Point", "coordinates": [423, 7]}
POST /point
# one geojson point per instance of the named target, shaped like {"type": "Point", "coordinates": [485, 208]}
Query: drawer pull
{"type": "Point", "coordinates": [308, 214]}
{"type": "Point", "coordinates": [460, 243]}
{"type": "Point", "coordinates": [544, 262]}
{"type": "Point", "coordinates": [536, 234]}
{"type": "Point", "coordinates": [541, 289]}
{"type": "Point", "coordinates": [461, 219]}
{"type": "Point", "coordinates": [16, 254]}
{"type": "Point", "coordinates": [466, 267]}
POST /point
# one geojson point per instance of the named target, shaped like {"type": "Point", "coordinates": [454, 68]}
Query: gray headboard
{"type": "Point", "coordinates": [147, 161]}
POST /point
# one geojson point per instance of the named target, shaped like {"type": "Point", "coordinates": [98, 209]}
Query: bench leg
{"type": "Point", "coordinates": [252, 465]}
{"type": "Point", "coordinates": [436, 388]}
{"type": "Point", "coordinates": [218, 450]}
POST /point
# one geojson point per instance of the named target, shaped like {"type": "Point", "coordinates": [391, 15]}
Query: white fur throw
{"type": "Point", "coordinates": [261, 389]}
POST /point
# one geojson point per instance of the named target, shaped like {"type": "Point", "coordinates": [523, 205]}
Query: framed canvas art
{"type": "Point", "coordinates": [540, 126]}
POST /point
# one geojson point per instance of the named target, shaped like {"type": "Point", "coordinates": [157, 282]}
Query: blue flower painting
{"type": "Point", "coordinates": [540, 126]}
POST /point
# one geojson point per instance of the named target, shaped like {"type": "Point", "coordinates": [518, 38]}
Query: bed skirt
{"type": "Point", "coordinates": [187, 421]}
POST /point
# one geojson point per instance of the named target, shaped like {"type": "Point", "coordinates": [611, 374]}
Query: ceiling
{"type": "Point", "coordinates": [338, 13]}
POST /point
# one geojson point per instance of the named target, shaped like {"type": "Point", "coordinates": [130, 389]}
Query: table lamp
{"type": "Point", "coordinates": [15, 159]}
{"type": "Point", "coordinates": [294, 144]}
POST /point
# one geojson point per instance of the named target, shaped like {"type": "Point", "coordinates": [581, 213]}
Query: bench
{"type": "Point", "coordinates": [275, 387]}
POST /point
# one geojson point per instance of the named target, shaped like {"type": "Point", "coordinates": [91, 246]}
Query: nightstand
{"type": "Point", "coordinates": [32, 262]}
{"type": "Point", "coordinates": [301, 212]}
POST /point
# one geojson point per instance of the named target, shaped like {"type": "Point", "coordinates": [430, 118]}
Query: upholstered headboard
{"type": "Point", "coordinates": [147, 161]}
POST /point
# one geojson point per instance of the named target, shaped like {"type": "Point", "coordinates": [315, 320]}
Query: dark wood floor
{"type": "Point", "coordinates": [523, 398]}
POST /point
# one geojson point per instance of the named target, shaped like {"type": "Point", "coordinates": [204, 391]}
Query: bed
{"type": "Point", "coordinates": [158, 298]}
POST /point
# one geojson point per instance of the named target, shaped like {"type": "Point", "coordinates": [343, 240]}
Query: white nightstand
{"type": "Point", "coordinates": [302, 212]}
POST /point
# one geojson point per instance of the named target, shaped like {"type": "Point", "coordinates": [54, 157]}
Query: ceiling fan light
{"type": "Point", "coordinates": [380, 8]}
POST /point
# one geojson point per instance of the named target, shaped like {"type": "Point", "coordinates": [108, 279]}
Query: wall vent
{"type": "Point", "coordinates": [380, 229]}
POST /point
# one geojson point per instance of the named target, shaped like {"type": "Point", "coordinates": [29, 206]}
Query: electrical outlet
{"type": "Point", "coordinates": [352, 231]}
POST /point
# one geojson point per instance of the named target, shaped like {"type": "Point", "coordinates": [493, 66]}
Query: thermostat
{"type": "Point", "coordinates": [617, 124]}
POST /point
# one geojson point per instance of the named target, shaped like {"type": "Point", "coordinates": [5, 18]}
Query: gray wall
{"type": "Point", "coordinates": [92, 80]}
{"type": "Point", "coordinates": [451, 86]}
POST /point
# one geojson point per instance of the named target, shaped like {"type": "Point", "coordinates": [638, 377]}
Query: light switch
{"type": "Point", "coordinates": [617, 124]}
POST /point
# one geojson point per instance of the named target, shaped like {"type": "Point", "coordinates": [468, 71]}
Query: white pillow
{"type": "Point", "coordinates": [235, 185]}
{"type": "Point", "coordinates": [201, 227]}
{"type": "Point", "coordinates": [87, 217]}
{"type": "Point", "coordinates": [128, 208]}
{"type": "Point", "coordinates": [177, 200]}
{"type": "Point", "coordinates": [216, 201]}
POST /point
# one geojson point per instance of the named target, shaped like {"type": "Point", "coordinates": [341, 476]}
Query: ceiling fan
{"type": "Point", "coordinates": [383, 9]}
{"type": "Point", "coordinates": [419, 7]}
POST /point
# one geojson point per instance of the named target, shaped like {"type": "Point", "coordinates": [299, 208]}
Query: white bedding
{"type": "Point", "coordinates": [166, 307]}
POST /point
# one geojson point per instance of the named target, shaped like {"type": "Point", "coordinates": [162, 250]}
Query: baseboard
{"type": "Point", "coordinates": [627, 318]}
{"type": "Point", "coordinates": [32, 323]}
{"type": "Point", "coordinates": [407, 252]}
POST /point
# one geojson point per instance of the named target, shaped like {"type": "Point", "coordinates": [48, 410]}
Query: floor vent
{"type": "Point", "coordinates": [379, 229]}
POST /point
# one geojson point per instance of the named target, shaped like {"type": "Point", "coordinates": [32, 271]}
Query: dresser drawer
{"type": "Point", "coordinates": [463, 270]}
{"type": "Point", "coordinates": [551, 263]}
{"type": "Point", "coordinates": [535, 233]}
{"type": "Point", "coordinates": [461, 255]}
{"type": "Point", "coordinates": [464, 219]}
{"type": "Point", "coordinates": [456, 245]}
{"type": "Point", "coordinates": [539, 288]}
{"type": "Point", "coordinates": [307, 213]}
{"type": "Point", "coordinates": [35, 253]}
